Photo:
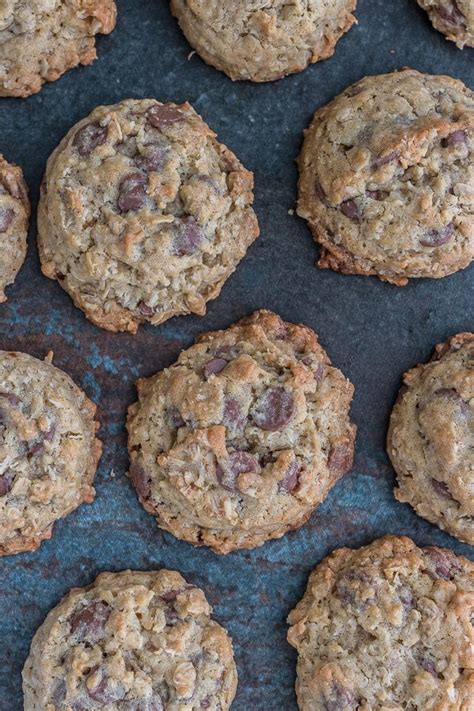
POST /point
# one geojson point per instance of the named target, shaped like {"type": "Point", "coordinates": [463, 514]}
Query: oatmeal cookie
{"type": "Point", "coordinates": [387, 175]}
{"type": "Point", "coordinates": [143, 215]}
{"type": "Point", "coordinates": [14, 218]}
{"type": "Point", "coordinates": [431, 438]}
{"type": "Point", "coordinates": [241, 439]}
{"type": "Point", "coordinates": [454, 18]}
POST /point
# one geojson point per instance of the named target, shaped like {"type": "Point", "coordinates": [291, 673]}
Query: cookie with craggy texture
{"type": "Point", "coordinates": [48, 450]}
{"type": "Point", "coordinates": [431, 438]}
{"type": "Point", "coordinates": [387, 626]}
{"type": "Point", "coordinates": [14, 218]}
{"type": "Point", "coordinates": [241, 439]}
{"type": "Point", "coordinates": [42, 39]}
{"type": "Point", "coordinates": [454, 18]}
{"type": "Point", "coordinates": [143, 214]}
{"type": "Point", "coordinates": [131, 641]}
{"type": "Point", "coordinates": [263, 41]}
{"type": "Point", "coordinates": [387, 175]}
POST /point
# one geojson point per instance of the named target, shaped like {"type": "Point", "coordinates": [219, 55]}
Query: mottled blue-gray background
{"type": "Point", "coordinates": [372, 331]}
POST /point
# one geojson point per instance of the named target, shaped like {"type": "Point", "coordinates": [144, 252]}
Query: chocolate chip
{"type": "Point", "coordinates": [442, 562]}
{"type": "Point", "coordinates": [350, 585]}
{"type": "Point", "coordinates": [387, 158]}
{"type": "Point", "coordinates": [318, 188]}
{"type": "Point", "coordinates": [274, 409]}
{"type": "Point", "coordinates": [236, 464]}
{"type": "Point", "coordinates": [6, 482]}
{"type": "Point", "coordinates": [442, 489]}
{"type": "Point", "coordinates": [233, 417]}
{"type": "Point", "coordinates": [354, 91]}
{"type": "Point", "coordinates": [162, 115]}
{"type": "Point", "coordinates": [12, 399]}
{"type": "Point", "coordinates": [454, 138]}
{"type": "Point", "coordinates": [317, 369]}
{"type": "Point", "coordinates": [87, 622]}
{"type": "Point", "coordinates": [6, 218]}
{"type": "Point", "coordinates": [145, 309]}
{"type": "Point", "coordinates": [436, 238]}
{"type": "Point", "coordinates": [140, 480]}
{"type": "Point", "coordinates": [105, 691]}
{"type": "Point", "coordinates": [132, 193]}
{"type": "Point", "coordinates": [340, 458]}
{"type": "Point", "coordinates": [187, 237]}
{"type": "Point", "coordinates": [340, 698]}
{"type": "Point", "coordinates": [291, 479]}
{"type": "Point", "coordinates": [453, 395]}
{"type": "Point", "coordinates": [350, 210]}
{"type": "Point", "coordinates": [450, 12]}
{"type": "Point", "coordinates": [406, 597]}
{"type": "Point", "coordinates": [377, 194]}
{"type": "Point", "coordinates": [171, 595]}
{"type": "Point", "coordinates": [89, 137]}
{"type": "Point", "coordinates": [429, 666]}
{"type": "Point", "coordinates": [174, 417]}
{"type": "Point", "coordinates": [152, 159]}
{"type": "Point", "coordinates": [35, 447]}
{"type": "Point", "coordinates": [214, 367]}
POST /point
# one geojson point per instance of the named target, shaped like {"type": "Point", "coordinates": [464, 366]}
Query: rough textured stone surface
{"type": "Point", "coordinates": [373, 332]}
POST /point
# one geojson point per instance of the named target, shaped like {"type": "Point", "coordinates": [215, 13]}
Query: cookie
{"type": "Point", "coordinates": [386, 175]}
{"type": "Point", "coordinates": [431, 438]}
{"type": "Point", "coordinates": [42, 39]}
{"type": "Point", "coordinates": [143, 215]}
{"type": "Point", "coordinates": [241, 439]}
{"type": "Point", "coordinates": [48, 449]}
{"type": "Point", "coordinates": [454, 18]}
{"type": "Point", "coordinates": [131, 641]}
{"type": "Point", "coordinates": [14, 218]}
{"type": "Point", "coordinates": [385, 627]}
{"type": "Point", "coordinates": [263, 41]}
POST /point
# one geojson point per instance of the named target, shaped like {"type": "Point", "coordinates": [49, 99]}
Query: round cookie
{"type": "Point", "coordinates": [41, 39]}
{"type": "Point", "coordinates": [431, 438]}
{"type": "Point", "coordinates": [385, 627]}
{"type": "Point", "coordinates": [143, 215]}
{"type": "Point", "coordinates": [14, 217]}
{"type": "Point", "coordinates": [48, 450]}
{"type": "Point", "coordinates": [241, 439]}
{"type": "Point", "coordinates": [454, 18]}
{"type": "Point", "coordinates": [263, 41]}
{"type": "Point", "coordinates": [386, 174]}
{"type": "Point", "coordinates": [131, 641]}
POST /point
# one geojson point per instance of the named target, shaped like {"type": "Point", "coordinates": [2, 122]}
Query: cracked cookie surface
{"type": "Point", "coordinates": [387, 175]}
{"type": "Point", "coordinates": [454, 18]}
{"type": "Point", "coordinates": [131, 641]}
{"type": "Point", "coordinates": [431, 438]}
{"type": "Point", "coordinates": [387, 626]}
{"type": "Point", "coordinates": [143, 214]}
{"type": "Point", "coordinates": [14, 218]}
{"type": "Point", "coordinates": [48, 450]}
{"type": "Point", "coordinates": [241, 439]}
{"type": "Point", "coordinates": [263, 41]}
{"type": "Point", "coordinates": [42, 39]}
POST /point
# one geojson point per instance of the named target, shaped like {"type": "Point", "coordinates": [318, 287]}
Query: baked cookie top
{"type": "Point", "coordinates": [454, 18]}
{"type": "Point", "coordinates": [143, 215]}
{"type": "Point", "coordinates": [41, 39]}
{"type": "Point", "coordinates": [386, 176]}
{"type": "Point", "coordinates": [387, 626]}
{"type": "Point", "coordinates": [14, 217]}
{"type": "Point", "coordinates": [240, 439]}
{"type": "Point", "coordinates": [131, 641]}
{"type": "Point", "coordinates": [431, 438]}
{"type": "Point", "coordinates": [48, 449]}
{"type": "Point", "coordinates": [263, 41]}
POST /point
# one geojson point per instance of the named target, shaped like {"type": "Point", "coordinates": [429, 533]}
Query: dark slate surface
{"type": "Point", "coordinates": [372, 331]}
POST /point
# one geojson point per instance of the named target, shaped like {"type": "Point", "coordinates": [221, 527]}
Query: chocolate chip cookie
{"type": "Point", "coordinates": [386, 175]}
{"type": "Point", "coordinates": [131, 641]}
{"type": "Point", "coordinates": [48, 450]}
{"type": "Point", "coordinates": [263, 41]}
{"type": "Point", "coordinates": [241, 439]}
{"type": "Point", "coordinates": [14, 217]}
{"type": "Point", "coordinates": [42, 39]}
{"type": "Point", "coordinates": [143, 215]}
{"type": "Point", "coordinates": [454, 18]}
{"type": "Point", "coordinates": [431, 438]}
{"type": "Point", "coordinates": [387, 626]}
